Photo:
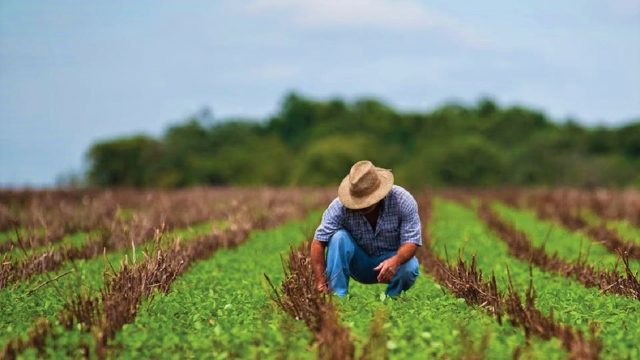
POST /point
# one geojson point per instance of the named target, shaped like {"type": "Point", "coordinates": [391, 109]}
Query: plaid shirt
{"type": "Point", "coordinates": [398, 223]}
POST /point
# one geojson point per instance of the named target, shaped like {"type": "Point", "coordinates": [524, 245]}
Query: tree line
{"type": "Point", "coordinates": [314, 142]}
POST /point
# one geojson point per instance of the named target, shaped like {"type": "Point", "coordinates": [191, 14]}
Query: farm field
{"type": "Point", "coordinates": [224, 273]}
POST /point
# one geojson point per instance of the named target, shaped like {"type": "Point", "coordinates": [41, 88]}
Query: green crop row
{"type": "Point", "coordinates": [75, 240]}
{"type": "Point", "coordinates": [20, 306]}
{"type": "Point", "coordinates": [6, 236]}
{"type": "Point", "coordinates": [567, 244]}
{"type": "Point", "coordinates": [626, 230]}
{"type": "Point", "coordinates": [426, 322]}
{"type": "Point", "coordinates": [10, 235]}
{"type": "Point", "coordinates": [456, 228]}
{"type": "Point", "coordinates": [220, 308]}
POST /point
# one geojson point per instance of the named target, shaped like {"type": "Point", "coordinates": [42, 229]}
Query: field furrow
{"type": "Point", "coordinates": [431, 321]}
{"type": "Point", "coordinates": [457, 229]}
{"type": "Point", "coordinates": [221, 307]}
{"type": "Point", "coordinates": [125, 289]}
{"type": "Point", "coordinates": [20, 305]}
{"type": "Point", "coordinates": [466, 281]}
{"type": "Point", "coordinates": [28, 262]}
{"type": "Point", "coordinates": [573, 246]}
{"type": "Point", "coordinates": [626, 230]}
{"type": "Point", "coordinates": [521, 247]}
{"type": "Point", "coordinates": [74, 240]}
{"type": "Point", "coordinates": [505, 273]}
{"type": "Point", "coordinates": [564, 209]}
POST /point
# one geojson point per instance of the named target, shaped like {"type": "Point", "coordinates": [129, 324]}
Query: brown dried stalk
{"type": "Point", "coordinates": [466, 281]}
{"type": "Point", "coordinates": [300, 299]}
{"type": "Point", "coordinates": [521, 247]}
{"type": "Point", "coordinates": [124, 289]}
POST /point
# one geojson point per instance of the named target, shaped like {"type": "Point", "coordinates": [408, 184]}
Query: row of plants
{"type": "Point", "coordinates": [460, 341]}
{"type": "Point", "coordinates": [160, 305]}
{"type": "Point", "coordinates": [221, 308]}
{"type": "Point", "coordinates": [626, 230]}
{"type": "Point", "coordinates": [457, 228]}
{"type": "Point", "coordinates": [573, 246]}
{"type": "Point", "coordinates": [45, 217]}
{"type": "Point", "coordinates": [610, 218]}
{"type": "Point", "coordinates": [578, 223]}
{"type": "Point", "coordinates": [466, 281]}
{"type": "Point", "coordinates": [75, 240]}
{"type": "Point", "coordinates": [117, 304]}
{"type": "Point", "coordinates": [520, 246]}
{"type": "Point", "coordinates": [298, 297]}
{"type": "Point", "coordinates": [609, 204]}
{"type": "Point", "coordinates": [429, 321]}
{"type": "Point", "coordinates": [44, 295]}
{"type": "Point", "coordinates": [565, 208]}
{"type": "Point", "coordinates": [167, 212]}
{"type": "Point", "coordinates": [507, 340]}
{"type": "Point", "coordinates": [404, 334]}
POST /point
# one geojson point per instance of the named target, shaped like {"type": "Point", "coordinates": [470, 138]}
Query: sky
{"type": "Point", "coordinates": [75, 72]}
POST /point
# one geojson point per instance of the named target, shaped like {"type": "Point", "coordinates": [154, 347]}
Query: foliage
{"type": "Point", "coordinates": [19, 307]}
{"type": "Point", "coordinates": [128, 161]}
{"type": "Point", "coordinates": [455, 227]}
{"type": "Point", "coordinates": [429, 321]}
{"type": "Point", "coordinates": [221, 305]}
{"type": "Point", "coordinates": [313, 142]}
{"type": "Point", "coordinates": [627, 230]}
{"type": "Point", "coordinates": [556, 239]}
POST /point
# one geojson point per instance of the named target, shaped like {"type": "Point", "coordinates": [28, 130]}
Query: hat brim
{"type": "Point", "coordinates": [355, 203]}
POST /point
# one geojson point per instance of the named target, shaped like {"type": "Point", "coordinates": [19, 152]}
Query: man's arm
{"type": "Point", "coordinates": [318, 264]}
{"type": "Point", "coordinates": [387, 269]}
{"type": "Point", "coordinates": [405, 252]}
{"type": "Point", "coordinates": [331, 222]}
{"type": "Point", "coordinates": [410, 239]}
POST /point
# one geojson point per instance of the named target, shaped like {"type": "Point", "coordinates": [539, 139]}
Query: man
{"type": "Point", "coordinates": [372, 230]}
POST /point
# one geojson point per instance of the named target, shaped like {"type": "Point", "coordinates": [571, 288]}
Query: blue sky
{"type": "Point", "coordinates": [73, 72]}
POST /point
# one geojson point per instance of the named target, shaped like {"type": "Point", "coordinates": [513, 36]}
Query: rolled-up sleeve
{"type": "Point", "coordinates": [410, 227]}
{"type": "Point", "coordinates": [331, 221]}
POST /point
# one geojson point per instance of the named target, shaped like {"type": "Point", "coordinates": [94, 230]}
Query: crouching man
{"type": "Point", "coordinates": [370, 232]}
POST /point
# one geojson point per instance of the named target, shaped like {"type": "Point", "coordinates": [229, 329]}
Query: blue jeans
{"type": "Point", "coordinates": [346, 259]}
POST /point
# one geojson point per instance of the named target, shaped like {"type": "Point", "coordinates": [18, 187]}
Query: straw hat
{"type": "Point", "coordinates": [365, 185]}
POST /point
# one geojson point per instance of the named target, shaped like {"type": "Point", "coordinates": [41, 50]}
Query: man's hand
{"type": "Point", "coordinates": [322, 287]}
{"type": "Point", "coordinates": [387, 269]}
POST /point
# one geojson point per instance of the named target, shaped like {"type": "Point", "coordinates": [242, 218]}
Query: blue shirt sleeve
{"type": "Point", "coordinates": [410, 226]}
{"type": "Point", "coordinates": [331, 221]}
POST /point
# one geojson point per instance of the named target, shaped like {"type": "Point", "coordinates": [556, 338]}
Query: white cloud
{"type": "Point", "coordinates": [402, 15]}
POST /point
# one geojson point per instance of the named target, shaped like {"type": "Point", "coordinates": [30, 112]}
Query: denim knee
{"type": "Point", "coordinates": [340, 234]}
{"type": "Point", "coordinates": [341, 238]}
{"type": "Point", "coordinates": [409, 271]}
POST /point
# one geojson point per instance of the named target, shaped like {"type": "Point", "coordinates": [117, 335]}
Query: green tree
{"type": "Point", "coordinates": [470, 161]}
{"type": "Point", "coordinates": [327, 160]}
{"type": "Point", "coordinates": [313, 142]}
{"type": "Point", "coordinates": [125, 161]}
